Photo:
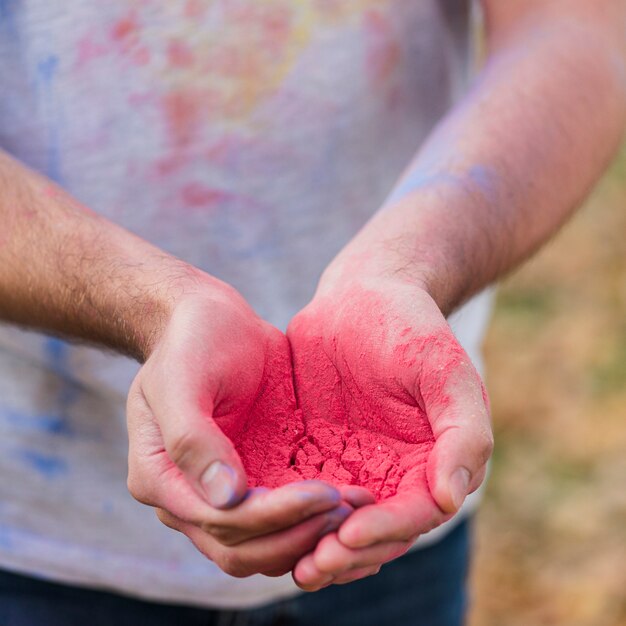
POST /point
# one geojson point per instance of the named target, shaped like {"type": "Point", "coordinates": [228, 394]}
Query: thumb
{"type": "Point", "coordinates": [457, 463]}
{"type": "Point", "coordinates": [457, 466]}
{"type": "Point", "coordinates": [195, 443]}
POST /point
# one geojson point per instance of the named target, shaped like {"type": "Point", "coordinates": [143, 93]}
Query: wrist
{"type": "Point", "coordinates": [373, 267]}
{"type": "Point", "coordinates": [185, 286]}
{"type": "Point", "coordinates": [406, 246]}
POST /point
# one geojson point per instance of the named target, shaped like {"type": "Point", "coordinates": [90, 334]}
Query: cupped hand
{"type": "Point", "coordinates": [218, 375]}
{"type": "Point", "coordinates": [391, 402]}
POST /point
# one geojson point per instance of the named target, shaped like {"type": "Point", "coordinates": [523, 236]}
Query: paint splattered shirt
{"type": "Point", "coordinates": [249, 138]}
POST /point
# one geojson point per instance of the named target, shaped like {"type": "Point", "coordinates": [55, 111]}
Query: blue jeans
{"type": "Point", "coordinates": [424, 588]}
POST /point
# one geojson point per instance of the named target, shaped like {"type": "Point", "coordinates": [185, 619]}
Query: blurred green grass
{"type": "Point", "coordinates": [551, 534]}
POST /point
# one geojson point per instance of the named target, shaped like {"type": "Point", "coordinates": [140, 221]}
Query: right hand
{"type": "Point", "coordinates": [216, 369]}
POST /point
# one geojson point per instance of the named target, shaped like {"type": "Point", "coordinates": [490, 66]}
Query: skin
{"type": "Point", "coordinates": [403, 361]}
{"type": "Point", "coordinates": [496, 179]}
{"type": "Point", "coordinates": [204, 353]}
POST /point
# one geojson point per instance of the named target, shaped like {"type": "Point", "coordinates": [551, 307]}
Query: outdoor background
{"type": "Point", "coordinates": [551, 534]}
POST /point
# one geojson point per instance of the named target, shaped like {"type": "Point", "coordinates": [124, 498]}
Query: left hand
{"type": "Point", "coordinates": [392, 402]}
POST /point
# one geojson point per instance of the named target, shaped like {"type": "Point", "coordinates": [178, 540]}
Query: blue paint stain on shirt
{"type": "Point", "coordinates": [57, 353]}
{"type": "Point", "coordinates": [5, 539]}
{"type": "Point", "coordinates": [47, 69]}
{"type": "Point", "coordinates": [47, 465]}
{"type": "Point", "coordinates": [48, 423]}
{"type": "Point", "coordinates": [7, 8]}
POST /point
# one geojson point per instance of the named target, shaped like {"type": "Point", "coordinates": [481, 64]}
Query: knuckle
{"type": "Point", "coordinates": [233, 565]}
{"type": "Point", "coordinates": [139, 488]}
{"type": "Point", "coordinates": [180, 447]}
{"type": "Point", "coordinates": [485, 447]}
{"type": "Point", "coordinates": [276, 572]}
{"type": "Point", "coordinates": [226, 536]}
{"type": "Point", "coordinates": [167, 519]}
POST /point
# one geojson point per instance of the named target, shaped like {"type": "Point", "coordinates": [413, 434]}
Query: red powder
{"type": "Point", "coordinates": [359, 419]}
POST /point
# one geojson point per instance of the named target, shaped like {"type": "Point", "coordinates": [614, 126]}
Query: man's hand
{"type": "Point", "coordinates": [216, 371]}
{"type": "Point", "coordinates": [377, 363]}
{"type": "Point", "coordinates": [493, 181]}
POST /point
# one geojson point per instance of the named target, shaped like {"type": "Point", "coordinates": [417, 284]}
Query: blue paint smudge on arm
{"type": "Point", "coordinates": [478, 179]}
{"type": "Point", "coordinates": [47, 465]}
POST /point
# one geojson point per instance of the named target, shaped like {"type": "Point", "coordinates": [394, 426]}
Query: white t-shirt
{"type": "Point", "coordinates": [251, 139]}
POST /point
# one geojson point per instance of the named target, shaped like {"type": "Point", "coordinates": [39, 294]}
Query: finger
{"type": "Point", "coordinates": [272, 555]}
{"type": "Point", "coordinates": [356, 574]}
{"type": "Point", "coordinates": [399, 518]}
{"type": "Point", "coordinates": [193, 441]}
{"type": "Point", "coordinates": [357, 496]}
{"type": "Point", "coordinates": [262, 512]}
{"type": "Point", "coordinates": [463, 440]}
{"type": "Point", "coordinates": [308, 576]}
{"type": "Point", "coordinates": [332, 557]}
{"type": "Point", "coordinates": [266, 512]}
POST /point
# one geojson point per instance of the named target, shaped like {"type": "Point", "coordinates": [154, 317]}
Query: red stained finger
{"type": "Point", "coordinates": [398, 518]}
{"type": "Point", "coordinates": [357, 496]}
{"type": "Point", "coordinates": [356, 574]}
{"type": "Point", "coordinates": [332, 557]}
{"type": "Point", "coordinates": [308, 577]}
{"type": "Point", "coordinates": [272, 555]}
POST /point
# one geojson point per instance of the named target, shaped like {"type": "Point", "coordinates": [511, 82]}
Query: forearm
{"type": "Point", "coordinates": [68, 271]}
{"type": "Point", "coordinates": [507, 166]}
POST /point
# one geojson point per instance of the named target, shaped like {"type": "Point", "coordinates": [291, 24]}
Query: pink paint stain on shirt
{"type": "Point", "coordinates": [383, 50]}
{"type": "Point", "coordinates": [196, 196]}
{"type": "Point", "coordinates": [195, 8]}
{"type": "Point", "coordinates": [87, 50]}
{"type": "Point", "coordinates": [125, 29]}
{"type": "Point", "coordinates": [179, 54]}
{"type": "Point", "coordinates": [182, 110]}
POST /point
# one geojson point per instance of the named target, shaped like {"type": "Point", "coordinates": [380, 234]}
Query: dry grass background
{"type": "Point", "coordinates": [551, 534]}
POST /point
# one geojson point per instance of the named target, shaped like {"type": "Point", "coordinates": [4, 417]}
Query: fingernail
{"type": "Point", "coordinates": [459, 482]}
{"type": "Point", "coordinates": [218, 482]}
{"type": "Point", "coordinates": [335, 518]}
